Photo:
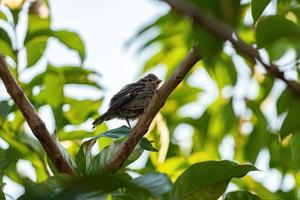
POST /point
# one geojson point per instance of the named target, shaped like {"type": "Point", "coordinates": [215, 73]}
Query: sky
{"type": "Point", "coordinates": [105, 26]}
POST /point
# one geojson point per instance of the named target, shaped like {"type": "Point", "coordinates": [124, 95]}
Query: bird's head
{"type": "Point", "coordinates": [151, 80]}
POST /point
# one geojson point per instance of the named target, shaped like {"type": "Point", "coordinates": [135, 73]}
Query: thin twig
{"type": "Point", "coordinates": [33, 120]}
{"type": "Point", "coordinates": [155, 105]}
{"type": "Point", "coordinates": [226, 32]}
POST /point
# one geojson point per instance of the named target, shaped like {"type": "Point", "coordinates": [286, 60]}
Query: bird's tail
{"type": "Point", "coordinates": [100, 119]}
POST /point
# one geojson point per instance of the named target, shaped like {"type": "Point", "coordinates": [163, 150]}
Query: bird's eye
{"type": "Point", "coordinates": [150, 79]}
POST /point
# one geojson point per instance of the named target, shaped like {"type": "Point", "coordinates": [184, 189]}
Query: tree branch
{"type": "Point", "coordinates": [153, 108]}
{"type": "Point", "coordinates": [226, 32]}
{"type": "Point", "coordinates": [33, 120]}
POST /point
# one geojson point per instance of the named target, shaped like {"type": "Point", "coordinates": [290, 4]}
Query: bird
{"type": "Point", "coordinates": [131, 101]}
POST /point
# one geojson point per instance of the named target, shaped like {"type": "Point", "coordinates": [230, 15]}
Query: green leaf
{"type": "Point", "coordinates": [66, 155]}
{"type": "Point", "coordinates": [101, 159]}
{"type": "Point", "coordinates": [295, 146]}
{"type": "Point", "coordinates": [53, 92]}
{"type": "Point", "coordinates": [68, 38]}
{"type": "Point", "coordinates": [223, 71]}
{"type": "Point", "coordinates": [258, 7]}
{"type": "Point", "coordinates": [31, 142]}
{"type": "Point", "coordinates": [36, 23]}
{"type": "Point", "coordinates": [74, 135]}
{"type": "Point", "coordinates": [78, 75]}
{"type": "Point", "coordinates": [77, 115]}
{"type": "Point", "coordinates": [260, 135]}
{"type": "Point", "coordinates": [35, 43]}
{"type": "Point", "coordinates": [7, 157]}
{"type": "Point", "coordinates": [284, 101]}
{"type": "Point", "coordinates": [5, 109]}
{"type": "Point", "coordinates": [84, 187]}
{"type": "Point", "coordinates": [158, 184]}
{"type": "Point", "coordinates": [6, 49]}
{"type": "Point", "coordinates": [146, 145]}
{"type": "Point", "coordinates": [15, 14]}
{"type": "Point", "coordinates": [241, 195]}
{"type": "Point", "coordinates": [5, 37]}
{"type": "Point", "coordinates": [71, 40]}
{"type": "Point", "coordinates": [84, 157]}
{"type": "Point", "coordinates": [279, 48]}
{"type": "Point", "coordinates": [248, 183]}
{"type": "Point", "coordinates": [2, 196]}
{"type": "Point", "coordinates": [122, 131]}
{"type": "Point", "coordinates": [208, 180]}
{"type": "Point", "coordinates": [283, 6]}
{"type": "Point", "coordinates": [210, 47]}
{"type": "Point", "coordinates": [291, 123]}
{"type": "Point", "coordinates": [290, 195]}
{"type": "Point", "coordinates": [6, 45]}
{"type": "Point", "coordinates": [35, 49]}
{"type": "Point", "coordinates": [272, 28]}
{"type": "Point", "coordinates": [3, 16]}
{"type": "Point", "coordinates": [71, 74]}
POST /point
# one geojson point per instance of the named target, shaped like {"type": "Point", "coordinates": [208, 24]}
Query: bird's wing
{"type": "Point", "coordinates": [125, 95]}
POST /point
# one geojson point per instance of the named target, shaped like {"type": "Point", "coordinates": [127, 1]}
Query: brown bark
{"type": "Point", "coordinates": [155, 105]}
{"type": "Point", "coordinates": [33, 120]}
{"type": "Point", "coordinates": [226, 32]}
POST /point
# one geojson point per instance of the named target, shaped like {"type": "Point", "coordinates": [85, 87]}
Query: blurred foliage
{"type": "Point", "coordinates": [242, 114]}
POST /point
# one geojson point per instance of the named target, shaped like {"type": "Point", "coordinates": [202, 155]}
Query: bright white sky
{"type": "Point", "coordinates": [105, 26]}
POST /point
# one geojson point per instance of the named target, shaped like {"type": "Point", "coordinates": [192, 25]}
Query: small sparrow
{"type": "Point", "coordinates": [131, 101]}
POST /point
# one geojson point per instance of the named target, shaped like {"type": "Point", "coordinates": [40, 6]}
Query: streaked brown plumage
{"type": "Point", "coordinates": [130, 102]}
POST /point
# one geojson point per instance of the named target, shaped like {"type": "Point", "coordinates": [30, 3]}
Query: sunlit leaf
{"type": "Point", "coordinates": [53, 88]}
{"type": "Point", "coordinates": [3, 16]}
{"type": "Point", "coordinates": [35, 49]}
{"type": "Point", "coordinates": [73, 135]}
{"type": "Point", "coordinates": [71, 40]}
{"type": "Point", "coordinates": [36, 23]}
{"type": "Point", "coordinates": [6, 45]}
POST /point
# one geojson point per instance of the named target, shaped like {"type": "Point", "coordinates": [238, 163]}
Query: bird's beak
{"type": "Point", "coordinates": [158, 81]}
